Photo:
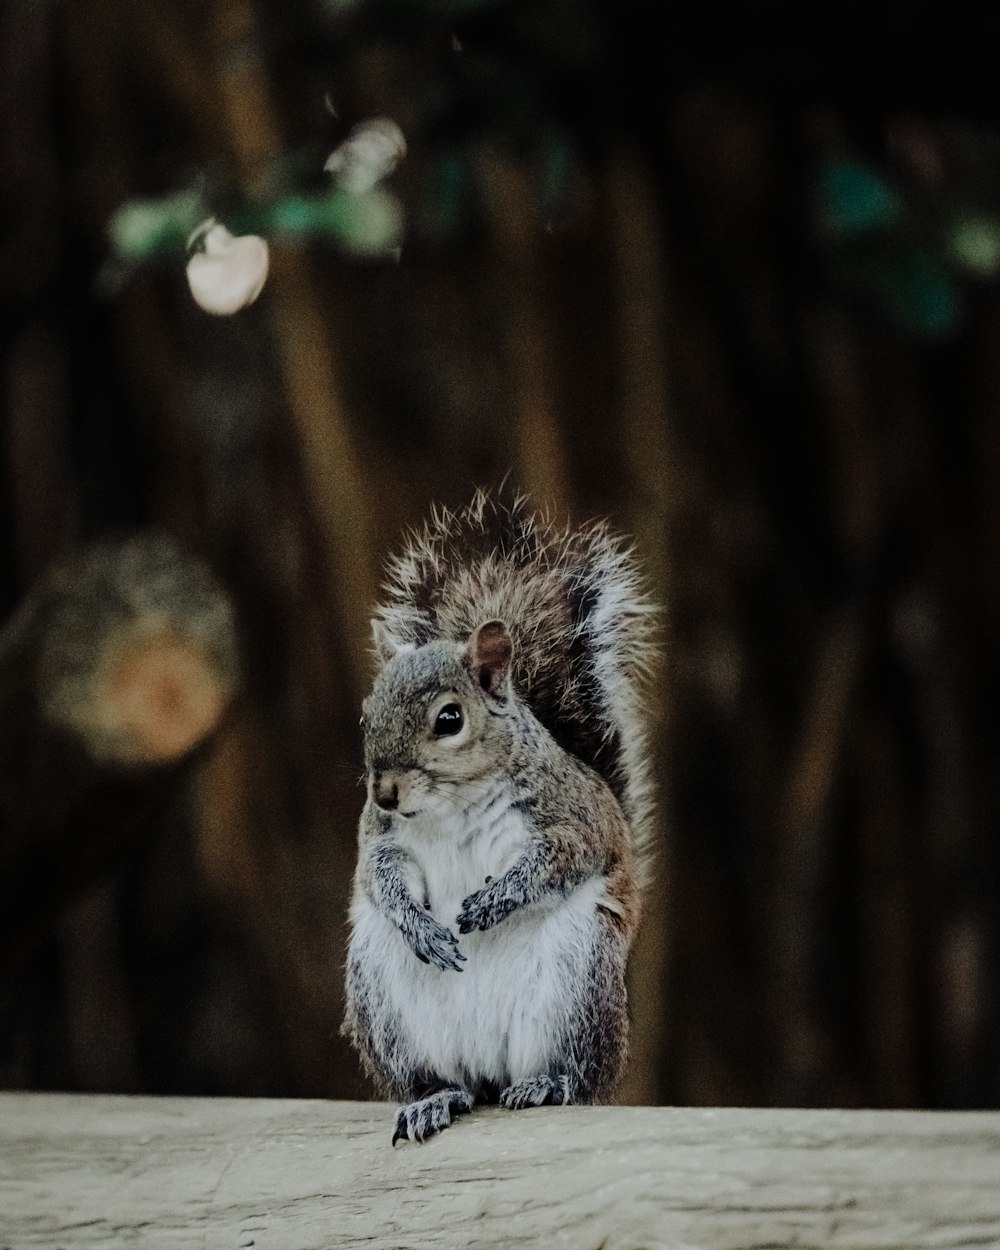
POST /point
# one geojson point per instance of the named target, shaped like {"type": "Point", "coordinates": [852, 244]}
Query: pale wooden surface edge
{"type": "Point", "coordinates": [92, 1171]}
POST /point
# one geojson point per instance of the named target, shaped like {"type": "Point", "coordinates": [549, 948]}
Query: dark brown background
{"type": "Point", "coordinates": [614, 293]}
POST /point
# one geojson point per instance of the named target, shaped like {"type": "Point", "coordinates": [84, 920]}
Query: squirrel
{"type": "Point", "coordinates": [506, 836]}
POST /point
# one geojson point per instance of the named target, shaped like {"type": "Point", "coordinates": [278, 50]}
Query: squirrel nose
{"type": "Point", "coordinates": [385, 793]}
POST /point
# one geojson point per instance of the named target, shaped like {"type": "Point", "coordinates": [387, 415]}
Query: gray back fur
{"type": "Point", "coordinates": [577, 610]}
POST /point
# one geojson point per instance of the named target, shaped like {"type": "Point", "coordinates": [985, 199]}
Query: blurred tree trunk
{"type": "Point", "coordinates": [116, 670]}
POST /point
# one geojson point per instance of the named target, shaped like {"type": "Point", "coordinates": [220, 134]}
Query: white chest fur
{"type": "Point", "coordinates": [506, 1015]}
{"type": "Point", "coordinates": [452, 855]}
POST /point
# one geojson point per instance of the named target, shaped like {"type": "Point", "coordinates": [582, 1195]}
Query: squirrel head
{"type": "Point", "coordinates": [437, 721]}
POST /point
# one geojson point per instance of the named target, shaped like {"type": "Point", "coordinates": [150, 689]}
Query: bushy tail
{"type": "Point", "coordinates": [582, 625]}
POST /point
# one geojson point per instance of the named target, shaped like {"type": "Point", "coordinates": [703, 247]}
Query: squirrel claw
{"type": "Point", "coordinates": [419, 1120]}
{"type": "Point", "coordinates": [484, 909]}
{"type": "Point", "coordinates": [472, 914]}
{"type": "Point", "coordinates": [433, 944]}
{"type": "Point", "coordinates": [536, 1091]}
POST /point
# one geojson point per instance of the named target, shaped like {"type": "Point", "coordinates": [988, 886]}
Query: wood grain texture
{"type": "Point", "coordinates": [87, 1171]}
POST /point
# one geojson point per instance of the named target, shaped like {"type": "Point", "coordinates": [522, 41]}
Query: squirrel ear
{"type": "Point", "coordinates": [490, 652]}
{"type": "Point", "coordinates": [385, 646]}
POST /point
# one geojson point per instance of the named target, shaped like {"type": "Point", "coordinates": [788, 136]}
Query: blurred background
{"type": "Point", "coordinates": [731, 284]}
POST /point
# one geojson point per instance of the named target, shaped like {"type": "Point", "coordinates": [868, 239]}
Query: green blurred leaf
{"type": "Point", "coordinates": [974, 243]}
{"type": "Point", "coordinates": [141, 230]}
{"type": "Point", "coordinates": [445, 194]}
{"type": "Point", "coordinates": [919, 293]}
{"type": "Point", "coordinates": [369, 224]}
{"type": "Point", "coordinates": [855, 200]}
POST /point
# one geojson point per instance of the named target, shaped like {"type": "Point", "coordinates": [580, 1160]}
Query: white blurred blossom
{"type": "Point", "coordinates": [226, 273]}
{"type": "Point", "coordinates": [369, 154]}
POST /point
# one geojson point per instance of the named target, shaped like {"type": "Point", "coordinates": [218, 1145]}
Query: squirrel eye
{"type": "Point", "coordinates": [449, 720]}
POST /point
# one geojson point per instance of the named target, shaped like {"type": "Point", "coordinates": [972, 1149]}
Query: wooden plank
{"type": "Point", "coordinates": [80, 1171]}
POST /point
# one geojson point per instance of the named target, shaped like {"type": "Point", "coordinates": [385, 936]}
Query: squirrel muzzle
{"type": "Point", "coordinates": [385, 791]}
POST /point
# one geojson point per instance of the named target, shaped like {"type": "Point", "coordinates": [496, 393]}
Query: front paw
{"type": "Point", "coordinates": [419, 1120]}
{"type": "Point", "coordinates": [485, 908]}
{"type": "Point", "coordinates": [536, 1091]}
{"type": "Point", "coordinates": [433, 944]}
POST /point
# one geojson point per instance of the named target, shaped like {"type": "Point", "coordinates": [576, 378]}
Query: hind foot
{"type": "Point", "coordinates": [536, 1091]}
{"type": "Point", "coordinates": [419, 1120]}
